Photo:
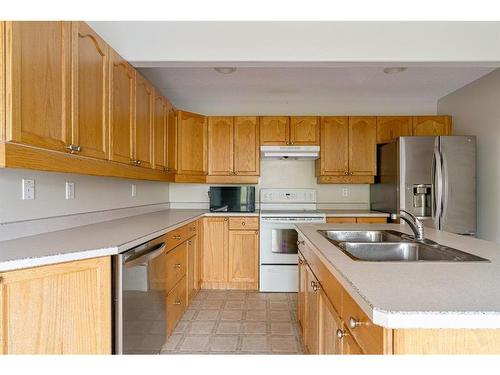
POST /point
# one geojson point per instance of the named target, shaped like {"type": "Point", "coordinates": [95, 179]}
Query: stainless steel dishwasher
{"type": "Point", "coordinates": [139, 299]}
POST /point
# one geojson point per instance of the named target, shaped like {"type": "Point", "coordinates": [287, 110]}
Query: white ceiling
{"type": "Point", "coordinates": [306, 67]}
{"type": "Point", "coordinates": [310, 90]}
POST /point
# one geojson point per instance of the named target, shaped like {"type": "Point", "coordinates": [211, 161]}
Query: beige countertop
{"type": "Point", "coordinates": [418, 294]}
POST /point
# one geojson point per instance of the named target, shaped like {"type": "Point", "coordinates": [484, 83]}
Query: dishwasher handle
{"type": "Point", "coordinates": [145, 256]}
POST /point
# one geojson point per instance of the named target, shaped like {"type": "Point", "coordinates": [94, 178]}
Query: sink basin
{"type": "Point", "coordinates": [363, 235]}
{"type": "Point", "coordinates": [404, 252]}
{"type": "Point", "coordinates": [393, 246]}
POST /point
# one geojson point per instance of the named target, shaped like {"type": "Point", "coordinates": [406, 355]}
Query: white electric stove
{"type": "Point", "coordinates": [280, 210]}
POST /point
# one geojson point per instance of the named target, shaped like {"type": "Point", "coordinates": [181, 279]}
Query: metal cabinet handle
{"type": "Point", "coordinates": [225, 219]}
{"type": "Point", "coordinates": [73, 148]}
{"type": "Point", "coordinates": [177, 265]}
{"type": "Point", "coordinates": [315, 286]}
{"type": "Point", "coordinates": [136, 162]}
{"type": "Point", "coordinates": [189, 242]}
{"type": "Point", "coordinates": [176, 237]}
{"type": "Point", "coordinates": [178, 302]}
{"type": "Point", "coordinates": [256, 232]}
{"type": "Point", "coordinates": [300, 261]}
{"type": "Point", "coordinates": [243, 223]}
{"type": "Point", "coordinates": [340, 334]}
{"type": "Point", "coordinates": [355, 323]}
{"type": "Point", "coordinates": [301, 242]}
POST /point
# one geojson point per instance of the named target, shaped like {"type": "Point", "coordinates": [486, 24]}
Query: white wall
{"type": "Point", "coordinates": [476, 111]}
{"type": "Point", "coordinates": [280, 174]}
{"type": "Point", "coordinates": [91, 194]}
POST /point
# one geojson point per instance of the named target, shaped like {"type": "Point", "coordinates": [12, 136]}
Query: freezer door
{"type": "Point", "coordinates": [458, 155]}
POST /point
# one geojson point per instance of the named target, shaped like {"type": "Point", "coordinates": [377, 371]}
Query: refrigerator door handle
{"type": "Point", "coordinates": [438, 187]}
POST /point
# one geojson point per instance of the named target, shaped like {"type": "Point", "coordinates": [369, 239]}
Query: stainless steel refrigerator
{"type": "Point", "coordinates": [432, 177]}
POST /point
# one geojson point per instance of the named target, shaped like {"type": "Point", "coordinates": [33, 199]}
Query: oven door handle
{"type": "Point", "coordinates": [143, 258]}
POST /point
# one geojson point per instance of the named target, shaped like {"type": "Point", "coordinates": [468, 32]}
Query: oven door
{"type": "Point", "coordinates": [278, 242]}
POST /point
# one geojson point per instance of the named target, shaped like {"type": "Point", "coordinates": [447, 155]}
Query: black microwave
{"type": "Point", "coordinates": [232, 198]}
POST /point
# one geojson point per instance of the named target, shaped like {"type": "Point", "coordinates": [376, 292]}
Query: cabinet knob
{"type": "Point", "coordinates": [340, 334]}
{"type": "Point", "coordinates": [176, 237]}
{"type": "Point", "coordinates": [300, 261]}
{"type": "Point", "coordinates": [315, 286]}
{"type": "Point", "coordinates": [300, 243]}
{"type": "Point", "coordinates": [73, 148]}
{"type": "Point", "coordinates": [136, 162]}
{"type": "Point", "coordinates": [355, 323]}
{"type": "Point", "coordinates": [256, 232]}
{"type": "Point", "coordinates": [177, 302]}
{"type": "Point", "coordinates": [225, 219]}
{"type": "Point", "coordinates": [346, 173]}
{"type": "Point", "coordinates": [242, 223]}
{"type": "Point", "coordinates": [177, 265]}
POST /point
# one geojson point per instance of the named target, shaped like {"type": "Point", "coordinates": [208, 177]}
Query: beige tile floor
{"type": "Point", "coordinates": [237, 322]}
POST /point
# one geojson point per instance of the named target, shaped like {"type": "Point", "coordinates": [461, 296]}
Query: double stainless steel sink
{"type": "Point", "coordinates": [393, 246]}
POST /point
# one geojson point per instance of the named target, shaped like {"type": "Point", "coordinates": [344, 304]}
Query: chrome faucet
{"type": "Point", "coordinates": [415, 224]}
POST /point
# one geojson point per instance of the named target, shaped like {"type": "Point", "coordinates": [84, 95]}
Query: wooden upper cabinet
{"type": "Point", "coordinates": [246, 146]}
{"type": "Point", "coordinates": [389, 128]}
{"type": "Point", "coordinates": [144, 98]}
{"type": "Point", "coordinates": [220, 146]}
{"type": "Point", "coordinates": [362, 146]}
{"type": "Point", "coordinates": [304, 130]}
{"type": "Point", "coordinates": [90, 86]}
{"type": "Point", "coordinates": [171, 139]}
{"type": "Point", "coordinates": [192, 149]}
{"type": "Point", "coordinates": [431, 125]}
{"type": "Point", "coordinates": [38, 83]}
{"type": "Point", "coordinates": [122, 109]}
{"type": "Point", "coordinates": [334, 150]}
{"type": "Point", "coordinates": [160, 132]}
{"type": "Point", "coordinates": [274, 130]}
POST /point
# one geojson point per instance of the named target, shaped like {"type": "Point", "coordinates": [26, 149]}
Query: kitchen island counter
{"type": "Point", "coordinates": [417, 294]}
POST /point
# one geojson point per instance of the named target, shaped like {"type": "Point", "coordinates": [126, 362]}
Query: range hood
{"type": "Point", "coordinates": [289, 152]}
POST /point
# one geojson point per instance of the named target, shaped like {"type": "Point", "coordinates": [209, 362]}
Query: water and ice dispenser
{"type": "Point", "coordinates": [422, 200]}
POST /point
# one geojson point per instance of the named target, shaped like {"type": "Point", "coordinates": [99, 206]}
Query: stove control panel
{"type": "Point", "coordinates": [288, 195]}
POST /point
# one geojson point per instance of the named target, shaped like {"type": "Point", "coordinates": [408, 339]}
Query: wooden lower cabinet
{"type": "Point", "coordinates": [311, 313]}
{"type": "Point", "coordinates": [192, 255]}
{"type": "Point", "coordinates": [176, 303]}
{"type": "Point", "coordinates": [230, 254]}
{"type": "Point", "coordinates": [57, 309]}
{"type": "Point", "coordinates": [329, 323]}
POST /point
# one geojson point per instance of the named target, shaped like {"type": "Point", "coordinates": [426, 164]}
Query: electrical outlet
{"type": "Point", "coordinates": [134, 190]}
{"type": "Point", "coordinates": [345, 192]}
{"type": "Point", "coordinates": [70, 190]}
{"type": "Point", "coordinates": [28, 189]}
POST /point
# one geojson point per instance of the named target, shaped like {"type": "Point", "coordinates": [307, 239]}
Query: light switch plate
{"type": "Point", "coordinates": [345, 192]}
{"type": "Point", "coordinates": [28, 189]}
{"type": "Point", "coordinates": [70, 190]}
{"type": "Point", "coordinates": [134, 190]}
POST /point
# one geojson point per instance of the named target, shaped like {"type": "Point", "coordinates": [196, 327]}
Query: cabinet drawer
{"type": "Point", "coordinates": [175, 305]}
{"type": "Point", "coordinates": [176, 265]}
{"type": "Point", "coordinates": [330, 220]}
{"type": "Point", "coordinates": [367, 220]}
{"type": "Point", "coordinates": [179, 235]}
{"type": "Point", "coordinates": [370, 337]}
{"type": "Point", "coordinates": [245, 223]}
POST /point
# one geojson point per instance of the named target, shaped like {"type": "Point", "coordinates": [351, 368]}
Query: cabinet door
{"type": "Point", "coordinates": [362, 146]}
{"type": "Point", "coordinates": [431, 125]}
{"type": "Point", "coordinates": [192, 159]}
{"type": "Point", "coordinates": [38, 83]}
{"type": "Point", "coordinates": [192, 267]}
{"type": "Point", "coordinates": [143, 122]}
{"type": "Point", "coordinates": [243, 259]}
{"type": "Point", "coordinates": [389, 128]}
{"type": "Point", "coordinates": [334, 151]}
{"type": "Point", "coordinates": [122, 111]}
{"type": "Point", "coordinates": [301, 291]}
{"type": "Point", "coordinates": [90, 91]}
{"type": "Point", "coordinates": [58, 309]}
{"type": "Point", "coordinates": [171, 139]}
{"type": "Point", "coordinates": [246, 146]}
{"type": "Point", "coordinates": [215, 251]}
{"type": "Point", "coordinates": [274, 130]}
{"type": "Point", "coordinates": [220, 146]}
{"type": "Point", "coordinates": [329, 323]}
{"type": "Point", "coordinates": [311, 339]}
{"type": "Point", "coordinates": [349, 345]}
{"type": "Point", "coordinates": [160, 132]}
{"type": "Point", "coordinates": [304, 130]}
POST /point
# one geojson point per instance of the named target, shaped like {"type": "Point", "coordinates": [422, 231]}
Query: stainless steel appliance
{"type": "Point", "coordinates": [232, 198]}
{"type": "Point", "coordinates": [280, 210]}
{"type": "Point", "coordinates": [139, 299]}
{"type": "Point", "coordinates": [433, 178]}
